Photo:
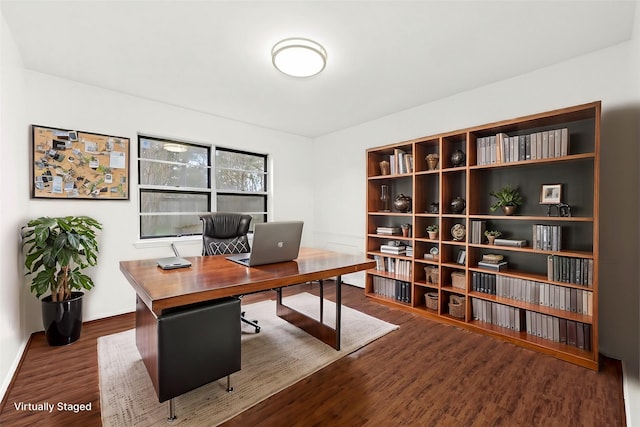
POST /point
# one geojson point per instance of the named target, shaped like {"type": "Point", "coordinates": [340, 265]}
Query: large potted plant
{"type": "Point", "coordinates": [57, 251]}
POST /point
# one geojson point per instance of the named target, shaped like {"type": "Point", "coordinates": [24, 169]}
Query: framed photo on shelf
{"type": "Point", "coordinates": [550, 194]}
{"type": "Point", "coordinates": [462, 255]}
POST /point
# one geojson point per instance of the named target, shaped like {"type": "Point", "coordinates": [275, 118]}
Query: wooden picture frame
{"type": "Point", "coordinates": [550, 194]}
{"type": "Point", "coordinates": [72, 164]}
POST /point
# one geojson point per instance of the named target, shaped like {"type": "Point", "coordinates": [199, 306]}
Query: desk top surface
{"type": "Point", "coordinates": [213, 277]}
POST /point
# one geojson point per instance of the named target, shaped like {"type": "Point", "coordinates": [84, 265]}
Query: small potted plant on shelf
{"type": "Point", "coordinates": [432, 231]}
{"type": "Point", "coordinates": [57, 250]}
{"type": "Point", "coordinates": [508, 199]}
{"type": "Point", "coordinates": [491, 235]}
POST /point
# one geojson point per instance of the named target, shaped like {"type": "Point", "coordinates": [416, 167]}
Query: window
{"type": "Point", "coordinates": [175, 185]}
{"type": "Point", "coordinates": [241, 183]}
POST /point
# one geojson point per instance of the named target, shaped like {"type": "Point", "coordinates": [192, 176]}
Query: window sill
{"type": "Point", "coordinates": [166, 241]}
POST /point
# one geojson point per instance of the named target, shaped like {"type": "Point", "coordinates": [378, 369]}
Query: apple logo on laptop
{"type": "Point", "coordinates": [280, 244]}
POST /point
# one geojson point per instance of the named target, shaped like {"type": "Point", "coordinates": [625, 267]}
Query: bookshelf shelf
{"type": "Point", "coordinates": [549, 288]}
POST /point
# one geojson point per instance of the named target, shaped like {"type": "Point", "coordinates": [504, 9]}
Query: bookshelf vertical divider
{"type": "Point", "coordinates": [545, 297]}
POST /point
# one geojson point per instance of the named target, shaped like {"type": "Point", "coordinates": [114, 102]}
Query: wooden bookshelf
{"type": "Point", "coordinates": [533, 302]}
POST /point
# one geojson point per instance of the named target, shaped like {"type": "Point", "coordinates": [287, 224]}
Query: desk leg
{"type": "Point", "coordinates": [172, 410]}
{"type": "Point", "coordinates": [338, 310]}
{"type": "Point", "coordinates": [325, 333]}
{"type": "Point", "coordinates": [321, 301]}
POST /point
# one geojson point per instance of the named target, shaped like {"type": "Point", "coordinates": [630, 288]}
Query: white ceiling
{"type": "Point", "coordinates": [383, 56]}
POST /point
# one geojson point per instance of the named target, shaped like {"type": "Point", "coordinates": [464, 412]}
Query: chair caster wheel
{"type": "Point", "coordinates": [257, 330]}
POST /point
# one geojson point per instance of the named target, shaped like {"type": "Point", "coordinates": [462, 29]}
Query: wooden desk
{"type": "Point", "coordinates": [214, 277]}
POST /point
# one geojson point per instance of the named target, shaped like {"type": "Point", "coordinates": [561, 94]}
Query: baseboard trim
{"type": "Point", "coordinates": [631, 390]}
{"type": "Point", "coordinates": [7, 384]}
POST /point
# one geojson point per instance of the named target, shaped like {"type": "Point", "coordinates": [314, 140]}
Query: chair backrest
{"type": "Point", "coordinates": [225, 233]}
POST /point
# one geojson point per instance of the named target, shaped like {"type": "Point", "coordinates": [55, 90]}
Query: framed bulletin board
{"type": "Point", "coordinates": [70, 164]}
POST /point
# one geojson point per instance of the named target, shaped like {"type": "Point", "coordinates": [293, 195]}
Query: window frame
{"type": "Point", "coordinates": [211, 192]}
{"type": "Point", "coordinates": [264, 193]}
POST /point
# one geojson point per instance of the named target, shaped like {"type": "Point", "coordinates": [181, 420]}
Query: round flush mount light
{"type": "Point", "coordinates": [299, 57]}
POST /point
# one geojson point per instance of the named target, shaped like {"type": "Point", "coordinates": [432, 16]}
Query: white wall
{"type": "Point", "coordinates": [62, 103]}
{"type": "Point", "coordinates": [13, 208]}
{"type": "Point", "coordinates": [632, 376]}
{"type": "Point", "coordinates": [605, 75]}
{"type": "Point", "coordinates": [35, 98]}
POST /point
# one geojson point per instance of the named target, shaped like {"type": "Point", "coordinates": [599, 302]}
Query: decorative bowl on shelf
{"type": "Point", "coordinates": [458, 232]}
{"type": "Point", "coordinates": [457, 205]}
{"type": "Point", "coordinates": [402, 203]}
{"type": "Point", "coordinates": [457, 158]}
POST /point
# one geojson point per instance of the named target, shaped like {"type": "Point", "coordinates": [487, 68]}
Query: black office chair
{"type": "Point", "coordinates": [226, 233]}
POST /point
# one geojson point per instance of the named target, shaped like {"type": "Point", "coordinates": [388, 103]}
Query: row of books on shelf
{"type": "Point", "coordinates": [498, 314]}
{"type": "Point", "coordinates": [400, 162]}
{"type": "Point", "coordinates": [393, 265]}
{"type": "Point", "coordinates": [578, 271]}
{"type": "Point", "coordinates": [570, 332]}
{"type": "Point", "coordinates": [502, 148]}
{"type": "Point", "coordinates": [547, 237]}
{"type": "Point", "coordinates": [533, 292]}
{"type": "Point", "coordinates": [391, 288]}
{"type": "Point", "coordinates": [477, 232]}
{"type": "Point", "coordinates": [564, 331]}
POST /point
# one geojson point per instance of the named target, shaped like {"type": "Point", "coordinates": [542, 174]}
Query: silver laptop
{"type": "Point", "coordinates": [173, 262]}
{"type": "Point", "coordinates": [273, 242]}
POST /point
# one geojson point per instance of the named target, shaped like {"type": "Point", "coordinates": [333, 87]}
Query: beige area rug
{"type": "Point", "coordinates": [279, 356]}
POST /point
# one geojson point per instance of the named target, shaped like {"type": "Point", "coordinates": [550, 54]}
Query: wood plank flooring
{"type": "Point", "coordinates": [424, 374]}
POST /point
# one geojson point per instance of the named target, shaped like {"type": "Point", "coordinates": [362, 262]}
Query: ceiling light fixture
{"type": "Point", "coordinates": [299, 57]}
{"type": "Point", "coordinates": [174, 148]}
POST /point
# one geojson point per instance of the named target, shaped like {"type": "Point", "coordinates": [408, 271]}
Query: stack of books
{"type": "Point", "coordinates": [393, 249]}
{"type": "Point", "coordinates": [517, 243]}
{"type": "Point", "coordinates": [493, 262]}
{"type": "Point", "coordinates": [389, 231]}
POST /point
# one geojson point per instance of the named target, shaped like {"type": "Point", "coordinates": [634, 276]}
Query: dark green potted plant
{"type": "Point", "coordinates": [508, 199]}
{"type": "Point", "coordinates": [57, 251]}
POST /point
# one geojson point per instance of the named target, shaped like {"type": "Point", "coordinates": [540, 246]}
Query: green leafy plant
{"type": "Point", "coordinates": [507, 196]}
{"type": "Point", "coordinates": [494, 233]}
{"type": "Point", "coordinates": [58, 249]}
{"type": "Point", "coordinates": [432, 228]}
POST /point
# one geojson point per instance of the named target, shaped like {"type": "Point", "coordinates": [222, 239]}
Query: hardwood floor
{"type": "Point", "coordinates": [426, 373]}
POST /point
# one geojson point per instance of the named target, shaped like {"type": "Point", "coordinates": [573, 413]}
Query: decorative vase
{"type": "Point", "coordinates": [491, 239]}
{"type": "Point", "coordinates": [457, 205]}
{"type": "Point", "coordinates": [406, 230]}
{"type": "Point", "coordinates": [509, 210]}
{"type": "Point", "coordinates": [402, 203]}
{"type": "Point", "coordinates": [457, 158]}
{"type": "Point", "coordinates": [385, 168]}
{"type": "Point", "coordinates": [432, 161]}
{"type": "Point", "coordinates": [384, 198]}
{"type": "Point", "coordinates": [62, 320]}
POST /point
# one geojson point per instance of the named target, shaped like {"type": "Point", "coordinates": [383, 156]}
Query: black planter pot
{"type": "Point", "coordinates": [62, 320]}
